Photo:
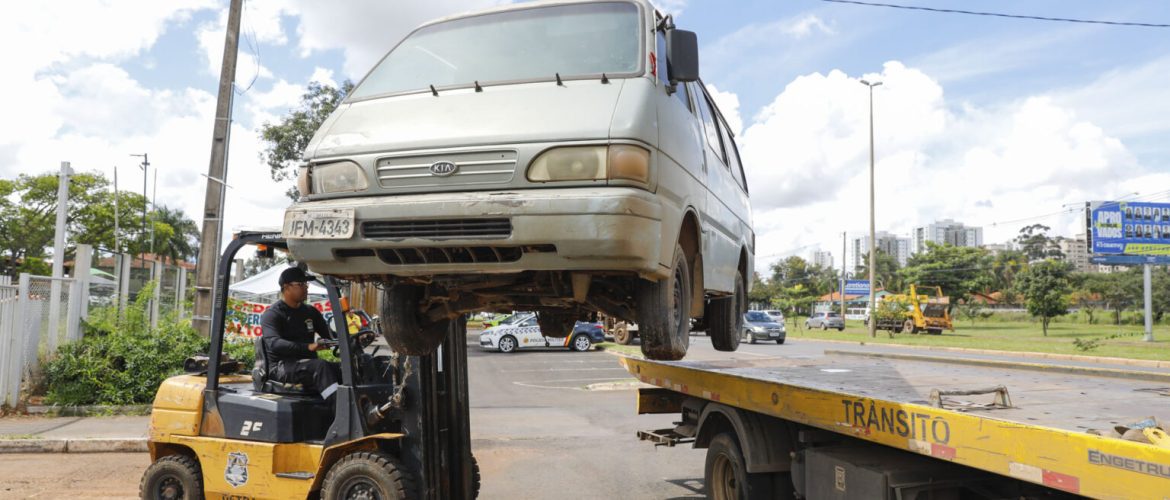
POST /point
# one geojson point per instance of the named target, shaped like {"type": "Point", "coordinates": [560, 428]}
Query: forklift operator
{"type": "Point", "coordinates": [290, 327]}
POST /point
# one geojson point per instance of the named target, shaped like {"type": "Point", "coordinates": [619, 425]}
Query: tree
{"type": "Point", "coordinates": [815, 280]}
{"type": "Point", "coordinates": [885, 271]}
{"type": "Point", "coordinates": [287, 139]}
{"type": "Point", "coordinates": [1005, 266]}
{"type": "Point", "coordinates": [179, 238]}
{"type": "Point", "coordinates": [1117, 290]}
{"type": "Point", "coordinates": [1036, 245]}
{"type": "Point", "coordinates": [1045, 287]}
{"type": "Point", "coordinates": [959, 271]}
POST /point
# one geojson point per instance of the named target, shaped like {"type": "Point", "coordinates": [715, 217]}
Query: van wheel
{"type": "Point", "coordinates": [726, 317]}
{"type": "Point", "coordinates": [367, 474]}
{"type": "Point", "coordinates": [664, 312]}
{"type": "Point", "coordinates": [404, 329]}
{"type": "Point", "coordinates": [725, 473]}
{"type": "Point", "coordinates": [173, 477]}
{"type": "Point", "coordinates": [557, 325]}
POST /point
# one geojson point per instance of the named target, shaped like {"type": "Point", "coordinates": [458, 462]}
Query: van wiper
{"type": "Point", "coordinates": [559, 82]}
{"type": "Point", "coordinates": [604, 79]}
{"type": "Point", "coordinates": [434, 92]}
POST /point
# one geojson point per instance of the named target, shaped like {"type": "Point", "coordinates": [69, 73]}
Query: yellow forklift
{"type": "Point", "coordinates": [398, 427]}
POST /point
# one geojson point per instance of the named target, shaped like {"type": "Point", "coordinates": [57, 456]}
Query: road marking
{"type": "Point", "coordinates": [565, 370]}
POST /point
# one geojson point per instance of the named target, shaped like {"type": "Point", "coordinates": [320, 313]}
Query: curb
{"type": "Point", "coordinates": [88, 411]}
{"type": "Point", "coordinates": [1079, 370]}
{"type": "Point", "coordinates": [88, 445]}
{"type": "Point", "coordinates": [1147, 363]}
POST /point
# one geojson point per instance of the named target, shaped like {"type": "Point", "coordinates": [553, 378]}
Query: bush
{"type": "Point", "coordinates": [120, 360]}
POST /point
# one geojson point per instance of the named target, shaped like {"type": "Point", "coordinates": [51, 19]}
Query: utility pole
{"type": "Point", "coordinates": [205, 274]}
{"type": "Point", "coordinates": [1146, 288]}
{"type": "Point", "coordinates": [842, 276]}
{"type": "Point", "coordinates": [117, 229]}
{"type": "Point", "coordinates": [872, 235]}
{"type": "Point", "coordinates": [145, 166]}
{"type": "Point", "coordinates": [58, 253]}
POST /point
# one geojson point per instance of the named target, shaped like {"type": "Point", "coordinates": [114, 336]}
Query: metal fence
{"type": "Point", "coordinates": [40, 313]}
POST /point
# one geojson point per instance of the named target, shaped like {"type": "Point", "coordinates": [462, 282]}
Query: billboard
{"type": "Point", "coordinates": [856, 287]}
{"type": "Point", "coordinates": [1130, 228]}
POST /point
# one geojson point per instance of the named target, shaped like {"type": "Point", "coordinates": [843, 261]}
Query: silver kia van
{"type": "Point", "coordinates": [561, 157]}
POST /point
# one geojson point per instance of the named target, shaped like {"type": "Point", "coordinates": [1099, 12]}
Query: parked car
{"type": "Point", "coordinates": [825, 321]}
{"type": "Point", "coordinates": [758, 325]}
{"type": "Point", "coordinates": [527, 334]}
{"type": "Point", "coordinates": [467, 171]}
{"type": "Point", "coordinates": [776, 315]}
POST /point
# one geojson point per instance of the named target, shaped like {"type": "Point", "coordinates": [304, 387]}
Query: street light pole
{"type": "Point", "coordinates": [872, 236]}
{"type": "Point", "coordinates": [145, 166]}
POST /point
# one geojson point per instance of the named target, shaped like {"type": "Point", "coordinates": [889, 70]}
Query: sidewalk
{"type": "Point", "coordinates": [30, 434]}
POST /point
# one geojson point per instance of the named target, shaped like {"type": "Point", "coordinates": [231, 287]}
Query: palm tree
{"type": "Point", "coordinates": [182, 241]}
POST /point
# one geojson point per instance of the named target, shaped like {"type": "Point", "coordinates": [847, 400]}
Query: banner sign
{"type": "Point", "coordinates": [1131, 228]}
{"type": "Point", "coordinates": [243, 318]}
{"type": "Point", "coordinates": [1129, 260]}
{"type": "Point", "coordinates": [856, 287]}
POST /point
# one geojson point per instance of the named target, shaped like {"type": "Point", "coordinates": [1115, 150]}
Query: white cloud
{"type": "Point", "coordinates": [807, 157]}
{"type": "Point", "coordinates": [672, 7]}
{"type": "Point", "coordinates": [364, 30]}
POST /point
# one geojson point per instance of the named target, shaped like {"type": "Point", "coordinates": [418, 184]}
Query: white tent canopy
{"type": "Point", "coordinates": [264, 288]}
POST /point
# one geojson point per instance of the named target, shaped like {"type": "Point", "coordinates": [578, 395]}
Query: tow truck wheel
{"type": "Point", "coordinates": [664, 307]}
{"type": "Point", "coordinates": [173, 477]}
{"type": "Point", "coordinates": [404, 330]}
{"type": "Point", "coordinates": [725, 473]}
{"type": "Point", "coordinates": [726, 317]}
{"type": "Point", "coordinates": [367, 475]}
{"type": "Point", "coordinates": [908, 327]}
{"type": "Point", "coordinates": [557, 325]}
{"type": "Point", "coordinates": [621, 333]}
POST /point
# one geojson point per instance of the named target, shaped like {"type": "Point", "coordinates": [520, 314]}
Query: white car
{"type": "Point", "coordinates": [526, 334]}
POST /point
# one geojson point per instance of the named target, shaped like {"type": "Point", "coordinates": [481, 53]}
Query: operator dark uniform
{"type": "Point", "coordinates": [290, 328]}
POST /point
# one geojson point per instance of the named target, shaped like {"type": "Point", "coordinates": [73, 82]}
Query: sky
{"type": "Point", "coordinates": [990, 121]}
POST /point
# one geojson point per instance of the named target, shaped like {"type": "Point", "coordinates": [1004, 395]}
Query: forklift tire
{"type": "Point", "coordinates": [401, 322]}
{"type": "Point", "coordinates": [725, 317]}
{"type": "Point", "coordinates": [664, 312]}
{"type": "Point", "coordinates": [367, 474]}
{"type": "Point", "coordinates": [725, 472]}
{"type": "Point", "coordinates": [176, 477]}
{"type": "Point", "coordinates": [475, 477]}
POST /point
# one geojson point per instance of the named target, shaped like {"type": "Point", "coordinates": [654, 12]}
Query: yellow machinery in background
{"type": "Point", "coordinates": [914, 312]}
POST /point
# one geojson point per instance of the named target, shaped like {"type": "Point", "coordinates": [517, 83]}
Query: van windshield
{"type": "Point", "coordinates": [528, 44]}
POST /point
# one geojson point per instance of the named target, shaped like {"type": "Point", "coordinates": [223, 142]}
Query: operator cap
{"type": "Point", "coordinates": [294, 275]}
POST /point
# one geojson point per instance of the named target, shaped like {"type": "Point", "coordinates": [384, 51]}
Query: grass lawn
{"type": "Point", "coordinates": [1018, 336]}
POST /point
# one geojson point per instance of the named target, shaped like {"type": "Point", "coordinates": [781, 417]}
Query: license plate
{"type": "Point", "coordinates": [774, 334]}
{"type": "Point", "coordinates": [319, 224]}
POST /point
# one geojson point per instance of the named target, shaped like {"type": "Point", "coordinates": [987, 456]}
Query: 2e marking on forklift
{"type": "Point", "coordinates": [250, 426]}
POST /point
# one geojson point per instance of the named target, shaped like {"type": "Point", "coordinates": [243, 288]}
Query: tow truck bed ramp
{"type": "Point", "coordinates": [1042, 438]}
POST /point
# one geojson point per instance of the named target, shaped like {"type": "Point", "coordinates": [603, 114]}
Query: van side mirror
{"type": "Point", "coordinates": [682, 55]}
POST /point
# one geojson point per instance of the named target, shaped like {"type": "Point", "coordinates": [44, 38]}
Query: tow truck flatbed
{"type": "Point", "coordinates": [1042, 438]}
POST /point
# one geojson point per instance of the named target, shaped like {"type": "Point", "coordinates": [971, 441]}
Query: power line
{"type": "Point", "coordinates": [999, 14]}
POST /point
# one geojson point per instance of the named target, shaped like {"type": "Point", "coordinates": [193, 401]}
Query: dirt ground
{"type": "Point", "coordinates": [64, 475]}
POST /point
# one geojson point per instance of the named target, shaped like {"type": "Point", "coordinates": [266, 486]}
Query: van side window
{"type": "Point", "coordinates": [733, 162]}
{"type": "Point", "coordinates": [681, 92]}
{"type": "Point", "coordinates": [710, 126]}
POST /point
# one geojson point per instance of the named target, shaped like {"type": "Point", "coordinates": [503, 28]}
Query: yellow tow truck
{"type": "Point", "coordinates": [860, 425]}
{"type": "Point", "coordinates": [914, 312]}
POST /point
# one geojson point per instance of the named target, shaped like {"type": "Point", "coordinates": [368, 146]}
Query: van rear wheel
{"type": "Point", "coordinates": [726, 317]}
{"type": "Point", "coordinates": [664, 321]}
{"type": "Point", "coordinates": [406, 331]}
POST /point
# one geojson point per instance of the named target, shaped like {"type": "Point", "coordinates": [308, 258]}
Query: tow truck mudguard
{"type": "Point", "coordinates": [766, 441]}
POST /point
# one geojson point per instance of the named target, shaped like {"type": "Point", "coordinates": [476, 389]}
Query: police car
{"type": "Point", "coordinates": [523, 332]}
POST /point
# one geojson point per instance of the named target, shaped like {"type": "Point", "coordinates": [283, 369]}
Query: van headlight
{"type": "Point", "coordinates": [592, 163]}
{"type": "Point", "coordinates": [337, 177]}
{"type": "Point", "coordinates": [303, 181]}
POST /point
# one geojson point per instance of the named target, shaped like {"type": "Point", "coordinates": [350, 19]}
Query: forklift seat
{"type": "Point", "coordinates": [261, 383]}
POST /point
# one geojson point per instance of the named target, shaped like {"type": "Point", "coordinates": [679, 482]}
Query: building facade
{"type": "Point", "coordinates": [823, 259]}
{"type": "Point", "coordinates": [944, 232]}
{"type": "Point", "coordinates": [1076, 252]}
{"type": "Point", "coordinates": [888, 243]}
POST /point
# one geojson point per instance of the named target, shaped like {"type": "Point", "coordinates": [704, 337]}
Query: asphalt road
{"type": "Point", "coordinates": [538, 431]}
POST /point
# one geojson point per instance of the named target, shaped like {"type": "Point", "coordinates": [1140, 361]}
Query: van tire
{"type": "Point", "coordinates": [726, 317]}
{"type": "Point", "coordinates": [402, 325]}
{"type": "Point", "coordinates": [664, 306]}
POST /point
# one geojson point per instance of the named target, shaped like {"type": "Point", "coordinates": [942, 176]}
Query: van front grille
{"type": "Point", "coordinates": [437, 229]}
{"type": "Point", "coordinates": [471, 167]}
{"type": "Point", "coordinates": [458, 255]}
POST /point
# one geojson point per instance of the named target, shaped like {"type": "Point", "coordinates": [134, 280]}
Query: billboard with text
{"type": "Point", "coordinates": [1130, 228]}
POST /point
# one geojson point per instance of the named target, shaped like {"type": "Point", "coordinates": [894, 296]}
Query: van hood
{"type": "Point", "coordinates": [504, 114]}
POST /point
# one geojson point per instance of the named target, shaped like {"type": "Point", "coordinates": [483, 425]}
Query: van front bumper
{"type": "Point", "coordinates": [567, 229]}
